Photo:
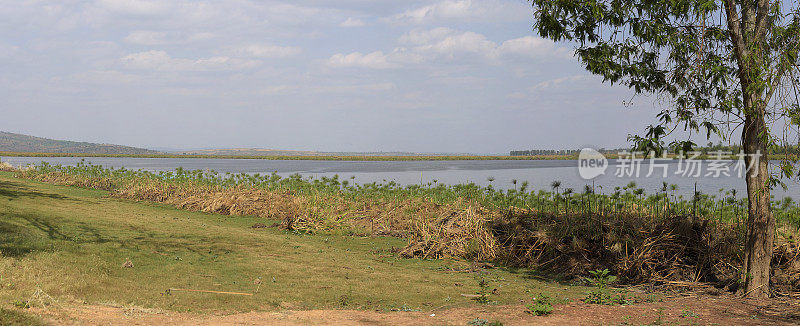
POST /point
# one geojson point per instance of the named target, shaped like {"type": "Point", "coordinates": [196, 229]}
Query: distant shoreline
{"type": "Point", "coordinates": [333, 157]}
{"type": "Point", "coordinates": [337, 157]}
{"type": "Point", "coordinates": [311, 157]}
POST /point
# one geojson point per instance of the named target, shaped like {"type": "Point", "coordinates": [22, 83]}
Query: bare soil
{"type": "Point", "coordinates": [679, 310]}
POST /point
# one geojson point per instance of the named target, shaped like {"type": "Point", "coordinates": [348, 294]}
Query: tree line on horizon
{"type": "Point", "coordinates": [710, 148]}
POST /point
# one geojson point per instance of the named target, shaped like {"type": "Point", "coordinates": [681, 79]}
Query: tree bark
{"type": "Point", "coordinates": [760, 221]}
{"type": "Point", "coordinates": [746, 35]}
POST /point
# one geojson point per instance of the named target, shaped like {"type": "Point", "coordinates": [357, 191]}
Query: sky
{"type": "Point", "coordinates": [465, 76]}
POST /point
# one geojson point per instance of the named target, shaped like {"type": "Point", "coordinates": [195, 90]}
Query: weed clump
{"type": "Point", "coordinates": [483, 322]}
{"type": "Point", "coordinates": [600, 295]}
{"type": "Point", "coordinates": [483, 291]}
{"type": "Point", "coordinates": [541, 306]}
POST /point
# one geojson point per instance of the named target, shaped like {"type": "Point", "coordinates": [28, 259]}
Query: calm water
{"type": "Point", "coordinates": [538, 173]}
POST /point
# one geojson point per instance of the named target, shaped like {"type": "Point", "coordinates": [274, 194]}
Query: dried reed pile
{"type": "Point", "coordinates": [210, 199]}
{"type": "Point", "coordinates": [6, 167]}
{"type": "Point", "coordinates": [61, 178]}
{"type": "Point", "coordinates": [461, 229]}
{"type": "Point", "coordinates": [786, 268]}
{"type": "Point", "coordinates": [635, 249]}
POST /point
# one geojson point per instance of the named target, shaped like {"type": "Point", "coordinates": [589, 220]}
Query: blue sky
{"type": "Point", "coordinates": [351, 75]}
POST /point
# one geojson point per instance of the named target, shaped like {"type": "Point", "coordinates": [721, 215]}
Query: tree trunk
{"type": "Point", "coordinates": [760, 222]}
{"type": "Point", "coordinates": [749, 44]}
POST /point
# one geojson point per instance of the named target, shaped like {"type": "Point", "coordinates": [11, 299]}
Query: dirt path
{"type": "Point", "coordinates": [694, 310]}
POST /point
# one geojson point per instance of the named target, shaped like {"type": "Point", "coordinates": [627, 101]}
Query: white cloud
{"type": "Point", "coordinates": [452, 43]}
{"type": "Point", "coordinates": [7, 51]}
{"type": "Point", "coordinates": [446, 43]}
{"type": "Point", "coordinates": [161, 61]}
{"type": "Point", "coordinates": [531, 46]}
{"type": "Point", "coordinates": [146, 37]}
{"type": "Point", "coordinates": [279, 90]}
{"type": "Point", "coordinates": [202, 36]}
{"type": "Point", "coordinates": [268, 51]}
{"type": "Point", "coordinates": [444, 9]}
{"type": "Point", "coordinates": [559, 82]}
{"type": "Point", "coordinates": [352, 22]}
{"type": "Point", "coordinates": [374, 60]}
{"type": "Point", "coordinates": [426, 36]}
{"type": "Point", "coordinates": [573, 93]}
{"type": "Point", "coordinates": [135, 7]}
{"type": "Point", "coordinates": [337, 87]}
{"type": "Point", "coordinates": [147, 60]}
{"type": "Point", "coordinates": [463, 9]}
{"type": "Point", "coordinates": [105, 77]}
{"type": "Point", "coordinates": [233, 19]}
{"type": "Point", "coordinates": [354, 88]}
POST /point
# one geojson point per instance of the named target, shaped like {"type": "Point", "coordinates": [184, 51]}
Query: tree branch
{"type": "Point", "coordinates": [747, 25]}
{"type": "Point", "coordinates": [735, 31]}
{"type": "Point", "coordinates": [762, 17]}
{"type": "Point", "coordinates": [780, 71]}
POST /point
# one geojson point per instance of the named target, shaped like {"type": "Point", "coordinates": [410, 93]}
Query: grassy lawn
{"type": "Point", "coordinates": [71, 244]}
{"type": "Point", "coordinates": [9, 317]}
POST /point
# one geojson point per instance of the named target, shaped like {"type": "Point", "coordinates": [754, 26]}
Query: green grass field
{"type": "Point", "coordinates": [71, 244]}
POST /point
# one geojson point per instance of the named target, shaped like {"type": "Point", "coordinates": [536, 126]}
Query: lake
{"type": "Point", "coordinates": [538, 173]}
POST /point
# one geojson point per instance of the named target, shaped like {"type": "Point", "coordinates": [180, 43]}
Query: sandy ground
{"type": "Point", "coordinates": [682, 310]}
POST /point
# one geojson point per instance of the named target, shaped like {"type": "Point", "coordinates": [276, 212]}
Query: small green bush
{"type": "Point", "coordinates": [20, 304]}
{"type": "Point", "coordinates": [622, 298]}
{"type": "Point", "coordinates": [601, 279]}
{"type": "Point", "coordinates": [540, 309]}
{"type": "Point", "coordinates": [483, 291]}
{"type": "Point", "coordinates": [541, 306]}
{"type": "Point", "coordinates": [483, 322]}
{"type": "Point", "coordinates": [598, 296]}
{"type": "Point", "coordinates": [688, 314]}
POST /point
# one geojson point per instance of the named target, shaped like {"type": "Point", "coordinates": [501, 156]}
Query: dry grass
{"type": "Point", "coordinates": [6, 167]}
{"type": "Point", "coordinates": [637, 249]}
{"type": "Point", "coordinates": [461, 229]}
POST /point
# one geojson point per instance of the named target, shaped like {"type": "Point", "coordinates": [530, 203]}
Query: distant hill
{"type": "Point", "coordinates": [246, 152]}
{"type": "Point", "coordinates": [10, 142]}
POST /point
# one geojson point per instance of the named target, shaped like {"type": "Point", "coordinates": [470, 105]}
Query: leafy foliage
{"type": "Point", "coordinates": [722, 65]}
{"type": "Point", "coordinates": [600, 294]}
{"type": "Point", "coordinates": [541, 306]}
{"type": "Point", "coordinates": [601, 278]}
{"type": "Point", "coordinates": [684, 50]}
{"type": "Point", "coordinates": [483, 322]}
